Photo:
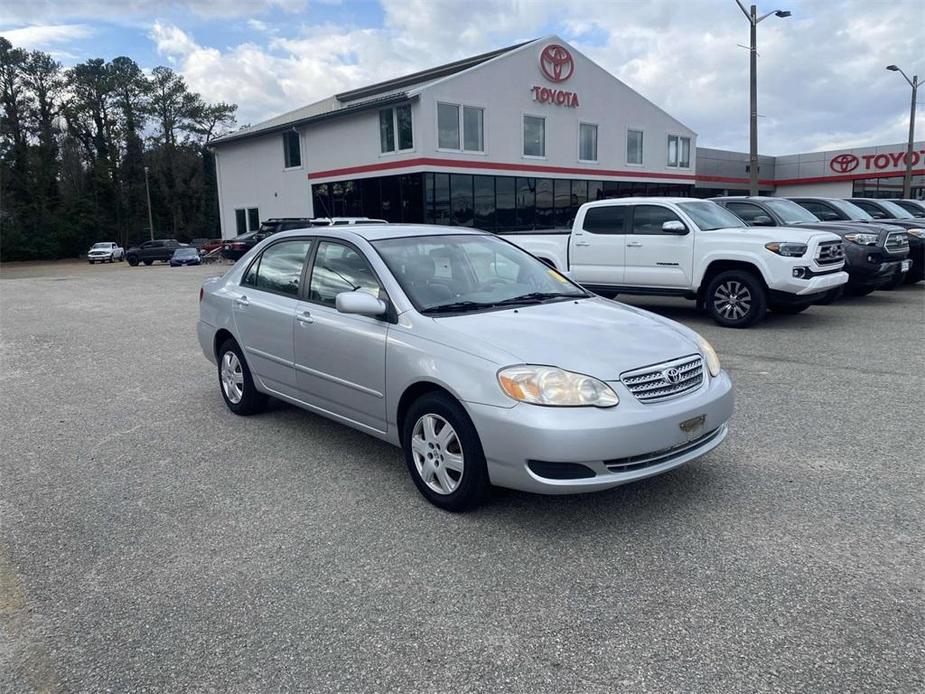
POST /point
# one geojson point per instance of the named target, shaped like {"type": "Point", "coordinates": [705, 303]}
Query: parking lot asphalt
{"type": "Point", "coordinates": [151, 540]}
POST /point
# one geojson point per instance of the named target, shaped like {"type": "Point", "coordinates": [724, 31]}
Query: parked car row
{"type": "Point", "coordinates": [234, 248]}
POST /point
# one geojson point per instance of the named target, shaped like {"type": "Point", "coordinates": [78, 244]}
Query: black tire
{"type": "Point", "coordinates": [111, 260]}
{"type": "Point", "coordinates": [90, 261]}
{"type": "Point", "coordinates": [473, 484]}
{"type": "Point", "coordinates": [913, 277]}
{"type": "Point", "coordinates": [133, 261]}
{"type": "Point", "coordinates": [750, 296]}
{"type": "Point", "coordinates": [147, 262]}
{"type": "Point", "coordinates": [252, 400]}
{"type": "Point", "coordinates": [898, 280]}
{"type": "Point", "coordinates": [788, 309]}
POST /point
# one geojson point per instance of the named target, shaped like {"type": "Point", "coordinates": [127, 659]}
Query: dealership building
{"type": "Point", "coordinates": [515, 139]}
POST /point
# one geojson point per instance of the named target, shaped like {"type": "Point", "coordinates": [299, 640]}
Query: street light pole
{"type": "Point", "coordinates": [753, 19]}
{"type": "Point", "coordinates": [150, 217]}
{"type": "Point", "coordinates": [910, 147]}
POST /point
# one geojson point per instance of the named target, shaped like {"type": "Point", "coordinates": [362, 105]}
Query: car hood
{"type": "Point", "coordinates": [594, 336]}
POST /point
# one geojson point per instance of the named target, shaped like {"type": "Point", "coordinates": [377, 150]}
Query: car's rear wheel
{"type": "Point", "coordinates": [236, 382]}
{"type": "Point", "coordinates": [133, 261]}
{"type": "Point", "coordinates": [736, 299]}
{"type": "Point", "coordinates": [147, 262]}
{"type": "Point", "coordinates": [444, 454]}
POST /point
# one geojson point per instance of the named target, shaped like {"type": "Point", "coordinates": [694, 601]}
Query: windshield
{"type": "Point", "coordinates": [185, 251]}
{"type": "Point", "coordinates": [894, 209]}
{"type": "Point", "coordinates": [462, 272]}
{"type": "Point", "coordinates": [707, 215]}
{"type": "Point", "coordinates": [107, 246]}
{"type": "Point", "coordinates": [790, 212]}
{"type": "Point", "coordinates": [854, 212]}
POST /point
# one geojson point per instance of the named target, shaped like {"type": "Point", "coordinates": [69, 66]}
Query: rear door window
{"type": "Point", "coordinates": [279, 268]}
{"type": "Point", "coordinates": [607, 219]}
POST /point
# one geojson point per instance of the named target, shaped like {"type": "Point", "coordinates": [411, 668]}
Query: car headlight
{"type": "Point", "coordinates": [710, 355]}
{"type": "Point", "coordinates": [862, 239]}
{"type": "Point", "coordinates": [547, 385]}
{"type": "Point", "coordinates": [786, 248]}
{"type": "Point", "coordinates": [918, 233]}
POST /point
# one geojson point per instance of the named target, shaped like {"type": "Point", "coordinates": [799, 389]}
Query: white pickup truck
{"type": "Point", "coordinates": [695, 249]}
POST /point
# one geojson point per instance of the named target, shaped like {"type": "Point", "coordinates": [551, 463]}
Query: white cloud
{"type": "Point", "coordinates": [40, 11]}
{"type": "Point", "coordinates": [41, 36]}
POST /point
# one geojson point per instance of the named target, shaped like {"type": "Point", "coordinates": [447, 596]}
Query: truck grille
{"type": "Point", "coordinates": [830, 252]}
{"type": "Point", "coordinates": [666, 380]}
{"type": "Point", "coordinates": [897, 242]}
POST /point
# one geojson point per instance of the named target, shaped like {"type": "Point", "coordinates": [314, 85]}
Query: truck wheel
{"type": "Point", "coordinates": [147, 262]}
{"type": "Point", "coordinates": [236, 383]}
{"type": "Point", "coordinates": [444, 454]}
{"type": "Point", "coordinates": [132, 260]}
{"type": "Point", "coordinates": [736, 299]}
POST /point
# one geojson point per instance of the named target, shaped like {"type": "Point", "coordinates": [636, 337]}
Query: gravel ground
{"type": "Point", "coordinates": [152, 541]}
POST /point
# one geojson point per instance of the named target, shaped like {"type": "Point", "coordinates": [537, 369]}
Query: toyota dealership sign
{"type": "Point", "coordinates": [850, 163]}
{"type": "Point", "coordinates": [557, 65]}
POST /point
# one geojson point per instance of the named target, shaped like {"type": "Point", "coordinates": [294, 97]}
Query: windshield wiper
{"type": "Point", "coordinates": [456, 306]}
{"type": "Point", "coordinates": [538, 297]}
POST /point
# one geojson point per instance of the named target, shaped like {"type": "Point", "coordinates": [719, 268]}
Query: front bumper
{"type": "Point", "coordinates": [635, 440]}
{"type": "Point", "coordinates": [107, 256]}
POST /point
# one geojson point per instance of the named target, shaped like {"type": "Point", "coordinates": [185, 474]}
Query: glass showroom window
{"type": "Point", "coordinates": [679, 151]}
{"type": "Point", "coordinates": [634, 147]}
{"type": "Point", "coordinates": [394, 121]}
{"type": "Point", "coordinates": [453, 119]}
{"type": "Point", "coordinates": [292, 149]}
{"type": "Point", "coordinates": [587, 142]}
{"type": "Point", "coordinates": [534, 136]}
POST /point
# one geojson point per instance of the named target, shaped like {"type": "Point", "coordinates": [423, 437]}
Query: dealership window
{"type": "Point", "coordinates": [634, 147]}
{"type": "Point", "coordinates": [534, 136]}
{"type": "Point", "coordinates": [246, 219]}
{"type": "Point", "coordinates": [395, 127]}
{"type": "Point", "coordinates": [292, 149]}
{"type": "Point", "coordinates": [679, 151]}
{"type": "Point", "coordinates": [587, 142]}
{"type": "Point", "coordinates": [452, 120]}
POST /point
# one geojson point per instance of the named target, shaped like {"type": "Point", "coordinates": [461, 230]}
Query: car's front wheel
{"type": "Point", "coordinates": [444, 454]}
{"type": "Point", "coordinates": [736, 299]}
{"type": "Point", "coordinates": [236, 382]}
{"type": "Point", "coordinates": [132, 260]}
{"type": "Point", "coordinates": [147, 262]}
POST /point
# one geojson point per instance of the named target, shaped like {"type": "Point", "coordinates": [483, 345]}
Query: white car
{"type": "Point", "coordinates": [695, 249]}
{"type": "Point", "coordinates": [105, 252]}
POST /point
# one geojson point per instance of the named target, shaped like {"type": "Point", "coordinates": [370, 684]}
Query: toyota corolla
{"type": "Point", "coordinates": [485, 366]}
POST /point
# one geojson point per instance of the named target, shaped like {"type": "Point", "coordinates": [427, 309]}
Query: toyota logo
{"type": "Point", "coordinates": [556, 63]}
{"type": "Point", "coordinates": [672, 375]}
{"type": "Point", "coordinates": [844, 163]}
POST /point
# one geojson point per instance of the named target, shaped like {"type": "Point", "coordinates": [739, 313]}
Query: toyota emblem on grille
{"type": "Point", "coordinates": [672, 375]}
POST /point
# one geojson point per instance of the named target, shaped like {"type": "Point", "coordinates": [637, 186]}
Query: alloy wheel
{"type": "Point", "coordinates": [437, 454]}
{"type": "Point", "coordinates": [232, 378]}
{"type": "Point", "coordinates": [732, 300]}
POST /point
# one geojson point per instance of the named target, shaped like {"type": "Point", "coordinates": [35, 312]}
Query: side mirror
{"type": "Point", "coordinates": [762, 220]}
{"type": "Point", "coordinates": [360, 303]}
{"type": "Point", "coordinates": [674, 227]}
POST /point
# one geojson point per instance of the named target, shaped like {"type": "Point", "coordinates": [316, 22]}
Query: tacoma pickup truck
{"type": "Point", "coordinates": [888, 212]}
{"type": "Point", "coordinates": [872, 262]}
{"type": "Point", "coordinates": [695, 249]}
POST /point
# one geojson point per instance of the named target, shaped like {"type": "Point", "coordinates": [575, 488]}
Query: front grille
{"type": "Point", "coordinates": [638, 462]}
{"type": "Point", "coordinates": [830, 252]}
{"type": "Point", "coordinates": [666, 380]}
{"type": "Point", "coordinates": [897, 242]}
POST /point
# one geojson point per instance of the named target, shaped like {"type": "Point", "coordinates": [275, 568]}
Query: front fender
{"type": "Point", "coordinates": [760, 263]}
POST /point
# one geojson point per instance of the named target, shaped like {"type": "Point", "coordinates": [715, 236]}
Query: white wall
{"type": "Point", "coordinates": [251, 173]}
{"type": "Point", "coordinates": [837, 189]}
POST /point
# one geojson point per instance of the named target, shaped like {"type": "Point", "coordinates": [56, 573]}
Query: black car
{"type": "Point", "coordinates": [186, 255]}
{"type": "Point", "coordinates": [881, 243]}
{"type": "Point", "coordinates": [914, 207]}
{"type": "Point", "coordinates": [149, 251]}
{"type": "Point", "coordinates": [891, 213]}
{"type": "Point", "coordinates": [866, 270]}
{"type": "Point", "coordinates": [234, 248]}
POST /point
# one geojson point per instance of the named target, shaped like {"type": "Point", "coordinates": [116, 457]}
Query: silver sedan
{"type": "Point", "coordinates": [483, 364]}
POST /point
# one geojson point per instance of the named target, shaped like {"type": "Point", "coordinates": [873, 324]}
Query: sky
{"type": "Point", "coordinates": [822, 82]}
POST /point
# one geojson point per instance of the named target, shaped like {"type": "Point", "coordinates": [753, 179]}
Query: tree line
{"type": "Point", "coordinates": [75, 144]}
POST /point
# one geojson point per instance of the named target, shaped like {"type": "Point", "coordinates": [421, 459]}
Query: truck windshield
{"type": "Point", "coordinates": [791, 213]}
{"type": "Point", "coordinates": [707, 215]}
{"type": "Point", "coordinates": [895, 210]}
{"type": "Point", "coordinates": [102, 245]}
{"type": "Point", "coordinates": [853, 212]}
{"type": "Point", "coordinates": [460, 273]}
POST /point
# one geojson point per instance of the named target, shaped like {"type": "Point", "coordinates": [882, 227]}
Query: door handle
{"type": "Point", "coordinates": [242, 301]}
{"type": "Point", "coordinates": [633, 244]}
{"type": "Point", "coordinates": [305, 317]}
{"type": "Point", "coordinates": [582, 243]}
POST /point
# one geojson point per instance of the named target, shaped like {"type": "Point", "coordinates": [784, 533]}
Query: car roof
{"type": "Point", "coordinates": [377, 232]}
{"type": "Point", "coordinates": [637, 200]}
